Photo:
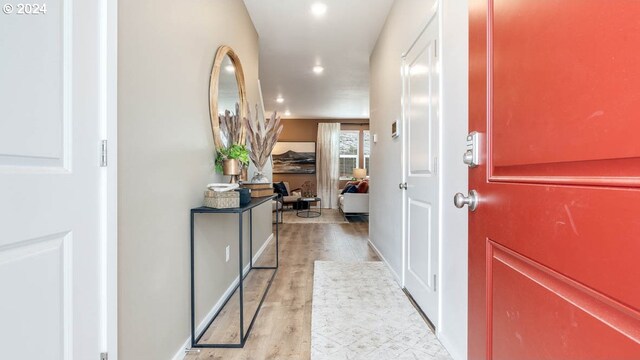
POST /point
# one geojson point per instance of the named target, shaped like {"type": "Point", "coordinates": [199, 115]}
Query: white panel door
{"type": "Point", "coordinates": [50, 254]}
{"type": "Point", "coordinates": [421, 102]}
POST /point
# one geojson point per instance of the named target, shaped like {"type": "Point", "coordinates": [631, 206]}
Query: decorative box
{"type": "Point", "coordinates": [245, 195]}
{"type": "Point", "coordinates": [259, 189]}
{"type": "Point", "coordinates": [221, 200]}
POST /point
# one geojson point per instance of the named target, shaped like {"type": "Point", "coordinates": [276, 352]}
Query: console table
{"type": "Point", "coordinates": [195, 338]}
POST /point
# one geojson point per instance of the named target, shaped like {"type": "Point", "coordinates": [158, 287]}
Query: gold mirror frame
{"type": "Point", "coordinates": [214, 79]}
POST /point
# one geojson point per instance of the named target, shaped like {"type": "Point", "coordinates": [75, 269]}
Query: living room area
{"type": "Point", "coordinates": [321, 171]}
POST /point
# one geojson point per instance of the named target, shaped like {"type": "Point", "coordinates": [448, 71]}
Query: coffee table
{"type": "Point", "coordinates": [308, 213]}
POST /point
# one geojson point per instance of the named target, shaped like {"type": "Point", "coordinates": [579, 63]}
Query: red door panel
{"type": "Point", "coordinates": [573, 231]}
{"type": "Point", "coordinates": [562, 77]}
{"type": "Point", "coordinates": [554, 245]}
{"type": "Point", "coordinates": [551, 316]}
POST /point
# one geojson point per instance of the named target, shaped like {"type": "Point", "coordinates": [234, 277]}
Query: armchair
{"type": "Point", "coordinates": [293, 196]}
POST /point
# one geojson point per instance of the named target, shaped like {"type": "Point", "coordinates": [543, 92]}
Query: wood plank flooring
{"type": "Point", "coordinates": [283, 328]}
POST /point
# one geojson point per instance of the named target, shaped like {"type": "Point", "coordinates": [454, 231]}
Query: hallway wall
{"type": "Point", "coordinates": [405, 21]}
{"type": "Point", "coordinates": [454, 223]}
{"type": "Point", "coordinates": [166, 49]}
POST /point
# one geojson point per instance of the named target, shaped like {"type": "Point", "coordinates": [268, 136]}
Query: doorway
{"type": "Point", "coordinates": [421, 179]}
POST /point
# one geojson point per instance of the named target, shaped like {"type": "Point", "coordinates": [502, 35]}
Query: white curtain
{"type": "Point", "coordinates": [328, 164]}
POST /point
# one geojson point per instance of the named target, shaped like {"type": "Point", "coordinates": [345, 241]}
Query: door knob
{"type": "Point", "coordinates": [460, 200]}
{"type": "Point", "coordinates": [402, 186]}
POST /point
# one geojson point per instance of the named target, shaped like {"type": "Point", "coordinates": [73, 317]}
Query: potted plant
{"type": "Point", "coordinates": [231, 159]}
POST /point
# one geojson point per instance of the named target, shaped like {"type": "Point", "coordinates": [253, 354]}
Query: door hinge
{"type": "Point", "coordinates": [435, 281]}
{"type": "Point", "coordinates": [104, 356]}
{"type": "Point", "coordinates": [103, 154]}
{"type": "Point", "coordinates": [435, 48]}
{"type": "Point", "coordinates": [435, 165]}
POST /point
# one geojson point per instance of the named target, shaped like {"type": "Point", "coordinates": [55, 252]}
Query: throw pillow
{"type": "Point", "coordinates": [279, 188]}
{"type": "Point", "coordinates": [363, 187]}
{"type": "Point", "coordinates": [353, 189]}
{"type": "Point", "coordinates": [353, 182]}
{"type": "Point", "coordinates": [347, 188]}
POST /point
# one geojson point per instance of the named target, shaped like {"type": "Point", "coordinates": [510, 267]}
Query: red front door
{"type": "Point", "coordinates": [554, 245]}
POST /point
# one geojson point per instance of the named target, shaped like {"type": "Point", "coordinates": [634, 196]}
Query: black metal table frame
{"type": "Point", "coordinates": [239, 287]}
{"type": "Point", "coordinates": [308, 209]}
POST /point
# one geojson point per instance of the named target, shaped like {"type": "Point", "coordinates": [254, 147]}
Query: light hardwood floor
{"type": "Point", "coordinates": [283, 327]}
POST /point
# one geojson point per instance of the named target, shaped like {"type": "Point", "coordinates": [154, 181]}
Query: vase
{"type": "Point", "coordinates": [244, 174]}
{"type": "Point", "coordinates": [259, 178]}
{"type": "Point", "coordinates": [231, 167]}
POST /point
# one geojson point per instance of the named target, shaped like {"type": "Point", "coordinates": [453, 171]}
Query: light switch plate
{"type": "Point", "coordinates": [375, 138]}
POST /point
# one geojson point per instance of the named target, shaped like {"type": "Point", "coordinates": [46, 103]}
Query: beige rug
{"type": "Point", "coordinates": [329, 216]}
{"type": "Point", "coordinates": [360, 313]}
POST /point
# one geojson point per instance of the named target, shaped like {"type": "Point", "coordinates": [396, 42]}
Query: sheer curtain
{"type": "Point", "coordinates": [327, 164]}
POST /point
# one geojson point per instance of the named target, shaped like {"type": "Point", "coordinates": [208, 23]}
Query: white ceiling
{"type": "Point", "coordinates": [293, 41]}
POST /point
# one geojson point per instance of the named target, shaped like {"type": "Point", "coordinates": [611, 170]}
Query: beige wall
{"type": "Point", "coordinates": [165, 52]}
{"type": "Point", "coordinates": [405, 21]}
{"type": "Point", "coordinates": [307, 130]}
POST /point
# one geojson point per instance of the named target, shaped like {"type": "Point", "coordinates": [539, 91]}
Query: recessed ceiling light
{"type": "Point", "coordinates": [287, 113]}
{"type": "Point", "coordinates": [319, 9]}
{"type": "Point", "coordinates": [230, 68]}
{"type": "Point", "coordinates": [318, 69]}
{"type": "Point", "coordinates": [280, 99]}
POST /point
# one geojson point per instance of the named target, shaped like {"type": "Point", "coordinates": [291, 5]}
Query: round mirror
{"type": "Point", "coordinates": [226, 89]}
{"type": "Point", "coordinates": [228, 92]}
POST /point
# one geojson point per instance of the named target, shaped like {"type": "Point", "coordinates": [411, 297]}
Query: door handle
{"type": "Point", "coordinates": [402, 186]}
{"type": "Point", "coordinates": [459, 200]}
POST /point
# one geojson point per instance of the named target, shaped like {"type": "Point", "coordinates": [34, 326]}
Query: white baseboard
{"type": "Point", "coordinates": [182, 352]}
{"type": "Point", "coordinates": [453, 351]}
{"type": "Point", "coordinates": [384, 260]}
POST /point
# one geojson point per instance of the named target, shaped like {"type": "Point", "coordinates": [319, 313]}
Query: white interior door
{"type": "Point", "coordinates": [421, 102]}
{"type": "Point", "coordinates": [50, 217]}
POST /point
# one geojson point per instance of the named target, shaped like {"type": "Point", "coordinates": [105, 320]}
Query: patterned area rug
{"type": "Point", "coordinates": [359, 312]}
{"type": "Point", "coordinates": [329, 216]}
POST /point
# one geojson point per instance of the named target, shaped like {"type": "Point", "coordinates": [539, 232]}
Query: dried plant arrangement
{"type": "Point", "coordinates": [262, 142]}
{"type": "Point", "coordinates": [231, 127]}
{"type": "Point", "coordinates": [307, 189]}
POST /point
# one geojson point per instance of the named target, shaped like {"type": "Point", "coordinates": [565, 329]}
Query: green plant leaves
{"type": "Point", "coordinates": [235, 151]}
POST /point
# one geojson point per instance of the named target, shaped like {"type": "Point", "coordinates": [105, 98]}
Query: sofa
{"type": "Point", "coordinates": [352, 203]}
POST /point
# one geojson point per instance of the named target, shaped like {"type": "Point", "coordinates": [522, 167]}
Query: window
{"type": "Point", "coordinates": [349, 152]}
{"type": "Point", "coordinates": [366, 149]}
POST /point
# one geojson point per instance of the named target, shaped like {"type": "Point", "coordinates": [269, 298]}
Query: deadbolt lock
{"type": "Point", "coordinates": [471, 156]}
